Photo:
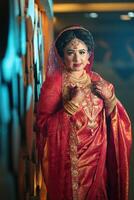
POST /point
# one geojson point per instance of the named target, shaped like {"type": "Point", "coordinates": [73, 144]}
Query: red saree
{"type": "Point", "coordinates": [82, 163]}
{"type": "Point", "coordinates": [82, 158]}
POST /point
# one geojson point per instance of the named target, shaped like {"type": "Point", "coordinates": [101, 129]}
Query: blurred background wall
{"type": "Point", "coordinates": [25, 35]}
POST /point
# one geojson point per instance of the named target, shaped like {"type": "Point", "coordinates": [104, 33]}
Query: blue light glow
{"type": "Point", "coordinates": [5, 108]}
{"type": "Point", "coordinates": [30, 10]}
{"type": "Point", "coordinates": [29, 97]}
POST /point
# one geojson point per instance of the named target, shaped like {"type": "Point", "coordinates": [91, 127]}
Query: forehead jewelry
{"type": "Point", "coordinates": [75, 42]}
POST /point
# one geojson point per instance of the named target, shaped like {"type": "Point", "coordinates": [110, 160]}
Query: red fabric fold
{"type": "Point", "coordinates": [106, 152]}
{"type": "Point", "coordinates": [118, 156]}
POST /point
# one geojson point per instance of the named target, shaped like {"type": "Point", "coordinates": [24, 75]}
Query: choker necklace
{"type": "Point", "coordinates": [71, 80]}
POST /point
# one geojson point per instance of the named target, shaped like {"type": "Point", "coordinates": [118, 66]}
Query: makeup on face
{"type": "Point", "coordinates": [76, 55]}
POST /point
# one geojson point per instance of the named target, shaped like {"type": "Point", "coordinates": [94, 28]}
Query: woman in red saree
{"type": "Point", "coordinates": [84, 132]}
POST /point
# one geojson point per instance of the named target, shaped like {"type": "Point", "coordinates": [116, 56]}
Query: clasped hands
{"type": "Point", "coordinates": [100, 88]}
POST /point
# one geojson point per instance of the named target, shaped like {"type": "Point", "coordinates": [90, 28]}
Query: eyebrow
{"type": "Point", "coordinates": [78, 49]}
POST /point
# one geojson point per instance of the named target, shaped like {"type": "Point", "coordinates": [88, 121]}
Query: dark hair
{"type": "Point", "coordinates": [68, 35]}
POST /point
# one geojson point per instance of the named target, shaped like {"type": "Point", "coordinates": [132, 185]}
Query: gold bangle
{"type": "Point", "coordinates": [74, 104]}
{"type": "Point", "coordinates": [71, 107]}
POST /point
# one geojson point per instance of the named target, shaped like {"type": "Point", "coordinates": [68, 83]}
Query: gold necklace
{"type": "Point", "coordinates": [71, 80]}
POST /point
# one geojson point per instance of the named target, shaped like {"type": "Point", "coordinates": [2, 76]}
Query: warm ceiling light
{"type": "Point", "coordinates": [92, 7]}
{"type": "Point", "coordinates": [131, 14]}
{"type": "Point", "coordinates": [125, 17]}
{"type": "Point", "coordinates": [91, 15]}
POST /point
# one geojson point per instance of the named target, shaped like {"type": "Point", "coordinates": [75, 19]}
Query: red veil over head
{"type": "Point", "coordinates": [55, 62]}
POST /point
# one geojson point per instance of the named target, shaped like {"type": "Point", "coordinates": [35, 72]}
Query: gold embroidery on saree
{"type": "Point", "coordinates": [74, 163]}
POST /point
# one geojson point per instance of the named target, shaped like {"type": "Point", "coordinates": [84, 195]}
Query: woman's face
{"type": "Point", "coordinates": [76, 55]}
